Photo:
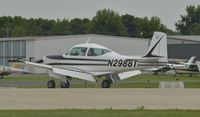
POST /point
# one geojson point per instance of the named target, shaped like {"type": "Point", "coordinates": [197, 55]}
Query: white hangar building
{"type": "Point", "coordinates": [182, 47]}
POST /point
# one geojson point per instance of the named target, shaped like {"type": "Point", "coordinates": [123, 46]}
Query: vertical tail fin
{"type": "Point", "coordinates": [158, 46]}
{"type": "Point", "coordinates": [191, 60]}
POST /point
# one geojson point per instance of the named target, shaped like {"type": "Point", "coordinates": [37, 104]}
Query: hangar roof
{"type": "Point", "coordinates": [66, 36]}
{"type": "Point", "coordinates": [193, 38]}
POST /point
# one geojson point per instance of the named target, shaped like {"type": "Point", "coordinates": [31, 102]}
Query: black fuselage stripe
{"type": "Point", "coordinates": [81, 59]}
{"type": "Point", "coordinates": [77, 64]}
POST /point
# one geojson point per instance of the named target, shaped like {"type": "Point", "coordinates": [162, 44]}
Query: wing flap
{"type": "Point", "coordinates": [80, 75]}
{"type": "Point", "coordinates": [125, 75]}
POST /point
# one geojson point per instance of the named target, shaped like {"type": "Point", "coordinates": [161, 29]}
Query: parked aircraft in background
{"type": "Point", "coordinates": [4, 71]}
{"type": "Point", "coordinates": [189, 67]}
{"type": "Point", "coordinates": [89, 61]}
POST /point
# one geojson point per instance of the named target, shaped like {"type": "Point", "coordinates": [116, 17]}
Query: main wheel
{"type": "Point", "coordinates": [106, 84]}
{"type": "Point", "coordinates": [51, 84]}
{"type": "Point", "coordinates": [65, 84]}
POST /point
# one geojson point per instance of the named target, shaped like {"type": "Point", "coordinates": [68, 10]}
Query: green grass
{"type": "Point", "coordinates": [26, 78]}
{"type": "Point", "coordinates": [99, 113]}
{"type": "Point", "coordinates": [141, 81]}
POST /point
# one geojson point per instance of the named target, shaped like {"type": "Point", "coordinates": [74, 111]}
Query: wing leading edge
{"type": "Point", "coordinates": [66, 72]}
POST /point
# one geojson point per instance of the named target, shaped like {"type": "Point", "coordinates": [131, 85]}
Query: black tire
{"type": "Point", "coordinates": [51, 84]}
{"type": "Point", "coordinates": [106, 84]}
{"type": "Point", "coordinates": [65, 84]}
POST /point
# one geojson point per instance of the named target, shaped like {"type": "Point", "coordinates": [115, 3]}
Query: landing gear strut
{"type": "Point", "coordinates": [65, 84]}
{"type": "Point", "coordinates": [51, 84]}
{"type": "Point", "coordinates": [106, 83]}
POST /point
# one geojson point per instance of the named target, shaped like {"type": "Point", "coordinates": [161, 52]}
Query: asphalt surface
{"type": "Point", "coordinates": [97, 98]}
{"type": "Point", "coordinates": [21, 83]}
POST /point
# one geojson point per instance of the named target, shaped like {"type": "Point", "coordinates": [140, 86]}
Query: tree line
{"type": "Point", "coordinates": [189, 24]}
{"type": "Point", "coordinates": [106, 22]}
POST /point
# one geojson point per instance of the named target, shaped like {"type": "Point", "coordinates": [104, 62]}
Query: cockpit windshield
{"type": "Point", "coordinates": [78, 51]}
{"type": "Point", "coordinates": [97, 51]}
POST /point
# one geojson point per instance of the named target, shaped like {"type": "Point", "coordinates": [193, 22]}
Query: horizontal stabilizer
{"type": "Point", "coordinates": [125, 75]}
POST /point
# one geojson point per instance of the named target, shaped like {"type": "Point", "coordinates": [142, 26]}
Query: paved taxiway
{"type": "Point", "coordinates": [96, 98]}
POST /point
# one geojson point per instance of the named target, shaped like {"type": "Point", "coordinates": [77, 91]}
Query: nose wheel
{"type": "Point", "coordinates": [65, 84]}
{"type": "Point", "coordinates": [51, 84]}
{"type": "Point", "coordinates": [106, 83]}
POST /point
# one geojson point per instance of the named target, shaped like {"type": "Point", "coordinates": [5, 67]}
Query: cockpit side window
{"type": "Point", "coordinates": [97, 51]}
{"type": "Point", "coordinates": [78, 51]}
{"type": "Point", "coordinates": [67, 53]}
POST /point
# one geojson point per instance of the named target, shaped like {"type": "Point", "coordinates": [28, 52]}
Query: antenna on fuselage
{"type": "Point", "coordinates": [88, 39]}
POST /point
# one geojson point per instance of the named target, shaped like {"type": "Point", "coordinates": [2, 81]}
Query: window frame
{"type": "Point", "coordinates": [102, 49]}
{"type": "Point", "coordinates": [69, 53]}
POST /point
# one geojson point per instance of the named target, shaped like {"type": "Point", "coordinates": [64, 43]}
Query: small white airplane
{"type": "Point", "coordinates": [4, 71]}
{"type": "Point", "coordinates": [89, 61]}
{"type": "Point", "coordinates": [189, 67]}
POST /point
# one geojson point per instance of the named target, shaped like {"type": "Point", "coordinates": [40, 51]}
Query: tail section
{"type": "Point", "coordinates": [191, 60]}
{"type": "Point", "coordinates": [158, 46]}
{"type": "Point", "coordinates": [198, 65]}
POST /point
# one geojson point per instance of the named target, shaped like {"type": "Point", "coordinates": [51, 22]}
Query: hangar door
{"type": "Point", "coordinates": [183, 51]}
{"type": "Point", "coordinates": [10, 50]}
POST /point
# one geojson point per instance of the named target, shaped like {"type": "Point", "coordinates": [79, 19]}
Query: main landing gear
{"type": "Point", "coordinates": [52, 84]}
{"type": "Point", "coordinates": [106, 83]}
{"type": "Point", "coordinates": [65, 84]}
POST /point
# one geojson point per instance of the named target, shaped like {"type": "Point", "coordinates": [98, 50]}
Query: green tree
{"type": "Point", "coordinates": [5, 26]}
{"type": "Point", "coordinates": [147, 27]}
{"type": "Point", "coordinates": [108, 22]}
{"type": "Point", "coordinates": [18, 31]}
{"type": "Point", "coordinates": [61, 27]}
{"type": "Point", "coordinates": [189, 23]}
{"type": "Point", "coordinates": [86, 26]}
{"type": "Point", "coordinates": [131, 24]}
{"type": "Point", "coordinates": [76, 26]}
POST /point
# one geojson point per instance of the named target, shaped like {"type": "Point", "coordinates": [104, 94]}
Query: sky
{"type": "Point", "coordinates": [168, 11]}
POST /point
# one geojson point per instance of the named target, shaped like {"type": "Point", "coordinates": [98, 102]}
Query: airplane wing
{"type": "Point", "coordinates": [72, 72]}
{"type": "Point", "coordinates": [162, 69]}
{"type": "Point", "coordinates": [158, 69]}
{"type": "Point", "coordinates": [125, 75]}
{"type": "Point", "coordinates": [76, 74]}
{"type": "Point", "coordinates": [10, 70]}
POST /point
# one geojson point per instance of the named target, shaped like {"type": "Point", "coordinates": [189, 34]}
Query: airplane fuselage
{"type": "Point", "coordinates": [108, 63]}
